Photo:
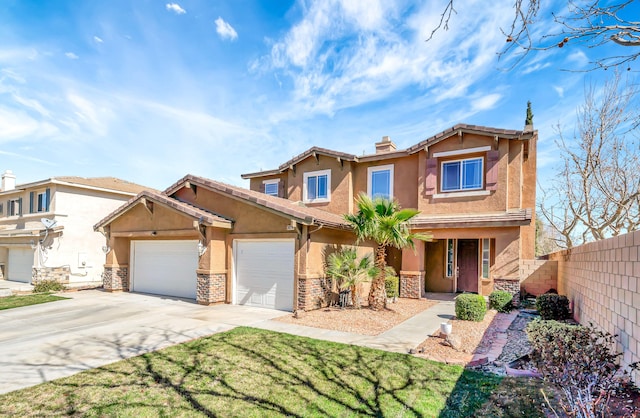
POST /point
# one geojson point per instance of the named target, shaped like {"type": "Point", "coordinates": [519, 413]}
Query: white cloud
{"type": "Point", "coordinates": [98, 39]}
{"type": "Point", "coordinates": [175, 7]}
{"type": "Point", "coordinates": [225, 30]}
{"type": "Point", "coordinates": [578, 57]}
{"type": "Point", "coordinates": [535, 67]}
{"type": "Point", "coordinates": [486, 102]}
{"type": "Point", "coordinates": [71, 55]}
{"type": "Point", "coordinates": [559, 90]}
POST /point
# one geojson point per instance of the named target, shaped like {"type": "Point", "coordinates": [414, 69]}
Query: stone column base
{"type": "Point", "coordinates": [508, 284]}
{"type": "Point", "coordinates": [116, 278]}
{"type": "Point", "coordinates": [411, 284]}
{"type": "Point", "coordinates": [211, 288]}
{"type": "Point", "coordinates": [313, 293]}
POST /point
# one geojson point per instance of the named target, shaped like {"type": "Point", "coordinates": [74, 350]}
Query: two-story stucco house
{"type": "Point", "coordinates": [266, 246]}
{"type": "Point", "coordinates": [46, 227]}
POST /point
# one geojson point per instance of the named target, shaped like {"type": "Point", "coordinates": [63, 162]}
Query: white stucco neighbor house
{"type": "Point", "coordinates": [46, 227]}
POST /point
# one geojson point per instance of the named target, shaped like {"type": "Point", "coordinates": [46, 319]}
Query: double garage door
{"type": "Point", "coordinates": [263, 270]}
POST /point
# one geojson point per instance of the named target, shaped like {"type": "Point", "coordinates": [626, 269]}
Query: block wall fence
{"type": "Point", "coordinates": [602, 281]}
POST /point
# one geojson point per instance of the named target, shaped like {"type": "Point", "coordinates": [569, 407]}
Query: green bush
{"type": "Point", "coordinates": [500, 301]}
{"type": "Point", "coordinates": [470, 307]}
{"type": "Point", "coordinates": [391, 283]}
{"type": "Point", "coordinates": [578, 360]}
{"type": "Point", "coordinates": [44, 286]}
{"type": "Point", "coordinates": [553, 306]}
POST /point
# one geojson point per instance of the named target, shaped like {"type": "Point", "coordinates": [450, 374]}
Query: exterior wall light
{"type": "Point", "coordinates": [201, 249]}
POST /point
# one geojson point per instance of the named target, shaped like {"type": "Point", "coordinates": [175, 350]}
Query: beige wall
{"type": "Point", "coordinates": [602, 281]}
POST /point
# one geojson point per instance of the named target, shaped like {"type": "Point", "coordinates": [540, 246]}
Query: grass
{"type": "Point", "coordinates": [18, 301]}
{"type": "Point", "coordinates": [254, 373]}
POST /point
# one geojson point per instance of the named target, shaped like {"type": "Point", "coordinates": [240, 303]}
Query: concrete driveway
{"type": "Point", "coordinates": [39, 343]}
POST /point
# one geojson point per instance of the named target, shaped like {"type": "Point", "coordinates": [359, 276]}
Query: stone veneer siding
{"type": "Point", "coordinates": [508, 284]}
{"type": "Point", "coordinates": [602, 281]}
{"type": "Point", "coordinates": [314, 293]}
{"type": "Point", "coordinates": [211, 288]}
{"type": "Point", "coordinates": [57, 274]}
{"type": "Point", "coordinates": [411, 284]}
{"type": "Point", "coordinates": [115, 278]}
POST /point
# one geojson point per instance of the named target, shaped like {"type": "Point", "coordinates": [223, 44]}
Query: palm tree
{"type": "Point", "coordinates": [344, 267]}
{"type": "Point", "coordinates": [382, 221]}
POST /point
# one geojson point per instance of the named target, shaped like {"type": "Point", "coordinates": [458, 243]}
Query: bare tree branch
{"type": "Point", "coordinates": [596, 194]}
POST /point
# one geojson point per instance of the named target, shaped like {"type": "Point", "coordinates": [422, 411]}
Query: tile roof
{"type": "Point", "coordinates": [208, 218]}
{"type": "Point", "coordinates": [303, 214]}
{"type": "Point", "coordinates": [454, 130]}
{"type": "Point", "coordinates": [111, 183]}
{"type": "Point", "coordinates": [509, 218]}
{"type": "Point", "coordinates": [311, 151]}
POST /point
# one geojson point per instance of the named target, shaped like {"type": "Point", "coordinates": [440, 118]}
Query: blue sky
{"type": "Point", "coordinates": [149, 91]}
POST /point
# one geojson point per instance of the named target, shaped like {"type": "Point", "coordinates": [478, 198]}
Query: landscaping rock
{"type": "Point", "coordinates": [454, 341]}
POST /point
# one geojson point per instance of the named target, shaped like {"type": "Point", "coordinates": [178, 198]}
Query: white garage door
{"type": "Point", "coordinates": [20, 266]}
{"type": "Point", "coordinates": [165, 267]}
{"type": "Point", "coordinates": [264, 273]}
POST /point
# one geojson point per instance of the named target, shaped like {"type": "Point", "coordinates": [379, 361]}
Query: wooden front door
{"type": "Point", "coordinates": [468, 265]}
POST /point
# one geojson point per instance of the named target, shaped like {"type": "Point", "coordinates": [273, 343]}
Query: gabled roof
{"type": "Point", "coordinates": [313, 151]}
{"type": "Point", "coordinates": [509, 218]}
{"type": "Point", "coordinates": [203, 216]}
{"type": "Point", "coordinates": [284, 207]}
{"type": "Point", "coordinates": [474, 129]}
{"type": "Point", "coordinates": [455, 130]}
{"type": "Point", "coordinates": [93, 183]}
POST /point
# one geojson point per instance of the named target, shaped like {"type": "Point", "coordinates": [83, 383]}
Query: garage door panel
{"type": "Point", "coordinates": [264, 273]}
{"type": "Point", "coordinates": [165, 267]}
{"type": "Point", "coordinates": [20, 264]}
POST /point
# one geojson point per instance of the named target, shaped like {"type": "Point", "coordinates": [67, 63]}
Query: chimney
{"type": "Point", "coordinates": [8, 181]}
{"type": "Point", "coordinates": [386, 145]}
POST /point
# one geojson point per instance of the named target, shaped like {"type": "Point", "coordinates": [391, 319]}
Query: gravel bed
{"type": "Point", "coordinates": [360, 321]}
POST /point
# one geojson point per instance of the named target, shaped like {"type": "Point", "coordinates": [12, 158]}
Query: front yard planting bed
{"type": "Point", "coordinates": [18, 301]}
{"type": "Point", "coordinates": [255, 373]}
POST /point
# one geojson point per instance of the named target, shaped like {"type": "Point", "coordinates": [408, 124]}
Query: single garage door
{"type": "Point", "coordinates": [165, 267]}
{"type": "Point", "coordinates": [264, 273]}
{"type": "Point", "coordinates": [20, 266]}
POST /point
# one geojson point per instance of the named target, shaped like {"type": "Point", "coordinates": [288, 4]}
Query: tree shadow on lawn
{"type": "Point", "coordinates": [250, 372]}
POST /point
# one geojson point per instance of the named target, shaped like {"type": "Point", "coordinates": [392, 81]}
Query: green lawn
{"type": "Point", "coordinates": [254, 373]}
{"type": "Point", "coordinates": [17, 301]}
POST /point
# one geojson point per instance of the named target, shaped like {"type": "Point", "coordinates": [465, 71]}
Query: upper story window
{"type": "Point", "coordinates": [14, 207]}
{"type": "Point", "coordinates": [271, 187]}
{"type": "Point", "coordinates": [462, 175]}
{"type": "Point", "coordinates": [380, 181]}
{"type": "Point", "coordinates": [39, 201]}
{"type": "Point", "coordinates": [317, 186]}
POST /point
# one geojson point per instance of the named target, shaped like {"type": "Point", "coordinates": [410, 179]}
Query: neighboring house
{"type": "Point", "coordinates": [46, 226]}
{"type": "Point", "coordinates": [475, 188]}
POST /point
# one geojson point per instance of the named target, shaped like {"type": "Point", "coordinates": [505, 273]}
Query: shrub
{"type": "Point", "coordinates": [470, 307]}
{"type": "Point", "coordinates": [44, 286]}
{"type": "Point", "coordinates": [580, 361]}
{"type": "Point", "coordinates": [552, 306]}
{"type": "Point", "coordinates": [391, 282]}
{"type": "Point", "coordinates": [500, 301]}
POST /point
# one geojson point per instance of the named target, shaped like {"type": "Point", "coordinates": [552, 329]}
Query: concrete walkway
{"type": "Point", "coordinates": [400, 339]}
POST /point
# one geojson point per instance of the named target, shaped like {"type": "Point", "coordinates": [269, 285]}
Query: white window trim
{"type": "Point", "coordinates": [39, 193]}
{"type": "Point", "coordinates": [449, 195]}
{"type": "Point", "coordinates": [272, 181]}
{"type": "Point", "coordinates": [10, 205]}
{"type": "Point", "coordinates": [461, 160]}
{"type": "Point", "coordinates": [446, 259]}
{"type": "Point", "coordinates": [377, 168]}
{"type": "Point", "coordinates": [461, 151]}
{"type": "Point", "coordinates": [315, 174]}
{"type": "Point", "coordinates": [482, 248]}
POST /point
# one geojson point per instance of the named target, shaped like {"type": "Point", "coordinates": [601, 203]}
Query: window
{"type": "Point", "coordinates": [39, 201]}
{"type": "Point", "coordinates": [380, 182]}
{"type": "Point", "coordinates": [486, 253]}
{"type": "Point", "coordinates": [462, 175]}
{"type": "Point", "coordinates": [449, 266]}
{"type": "Point", "coordinates": [14, 207]}
{"type": "Point", "coordinates": [271, 187]}
{"type": "Point", "coordinates": [317, 186]}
